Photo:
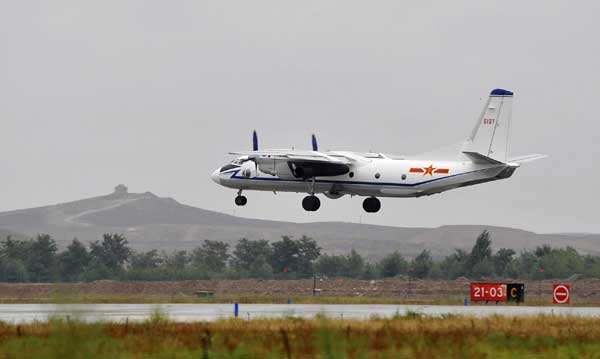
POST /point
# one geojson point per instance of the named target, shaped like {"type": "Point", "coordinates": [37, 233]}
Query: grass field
{"type": "Point", "coordinates": [404, 336]}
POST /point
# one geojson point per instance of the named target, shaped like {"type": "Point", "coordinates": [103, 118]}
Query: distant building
{"type": "Point", "coordinates": [121, 189]}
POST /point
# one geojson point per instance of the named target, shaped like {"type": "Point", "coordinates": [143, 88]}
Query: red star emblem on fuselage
{"type": "Point", "coordinates": [429, 170]}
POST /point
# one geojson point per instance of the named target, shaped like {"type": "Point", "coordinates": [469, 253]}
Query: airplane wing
{"type": "Point", "coordinates": [293, 155]}
{"type": "Point", "coordinates": [301, 164]}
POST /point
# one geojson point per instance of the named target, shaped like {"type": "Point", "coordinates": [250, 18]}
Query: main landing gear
{"type": "Point", "coordinates": [371, 205]}
{"type": "Point", "coordinates": [311, 203]}
{"type": "Point", "coordinates": [240, 200]}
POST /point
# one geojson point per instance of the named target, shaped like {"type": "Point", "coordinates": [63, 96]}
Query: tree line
{"type": "Point", "coordinates": [39, 260]}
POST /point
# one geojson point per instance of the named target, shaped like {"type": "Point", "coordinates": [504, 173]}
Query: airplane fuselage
{"type": "Point", "coordinates": [377, 177]}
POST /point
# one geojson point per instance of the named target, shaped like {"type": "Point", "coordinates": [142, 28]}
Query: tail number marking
{"type": "Point", "coordinates": [489, 121]}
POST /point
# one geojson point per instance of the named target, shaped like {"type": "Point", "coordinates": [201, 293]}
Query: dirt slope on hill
{"type": "Point", "coordinates": [424, 290]}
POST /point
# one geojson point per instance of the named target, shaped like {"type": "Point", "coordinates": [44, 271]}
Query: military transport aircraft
{"type": "Point", "coordinates": [483, 157]}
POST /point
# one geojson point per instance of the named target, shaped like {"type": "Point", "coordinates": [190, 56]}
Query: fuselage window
{"type": "Point", "coordinates": [351, 174]}
{"type": "Point", "coordinates": [247, 173]}
{"type": "Point", "coordinates": [377, 175]}
{"type": "Point", "coordinates": [403, 177]}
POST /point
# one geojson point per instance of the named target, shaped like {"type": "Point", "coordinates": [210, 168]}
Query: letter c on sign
{"type": "Point", "coordinates": [513, 293]}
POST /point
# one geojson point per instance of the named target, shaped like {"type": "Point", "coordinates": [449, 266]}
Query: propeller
{"type": "Point", "coordinates": [255, 148]}
{"type": "Point", "coordinates": [315, 146]}
{"type": "Point", "coordinates": [254, 141]}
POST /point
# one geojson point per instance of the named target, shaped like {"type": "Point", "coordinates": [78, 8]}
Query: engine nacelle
{"type": "Point", "coordinates": [307, 169]}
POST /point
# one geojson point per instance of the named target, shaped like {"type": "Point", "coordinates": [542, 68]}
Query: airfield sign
{"type": "Point", "coordinates": [561, 294]}
{"type": "Point", "coordinates": [492, 292]}
{"type": "Point", "coordinates": [498, 292]}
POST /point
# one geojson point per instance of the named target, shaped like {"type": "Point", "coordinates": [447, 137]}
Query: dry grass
{"type": "Point", "coordinates": [410, 335]}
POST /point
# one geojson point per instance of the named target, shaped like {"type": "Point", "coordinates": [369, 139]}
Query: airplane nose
{"type": "Point", "coordinates": [215, 176]}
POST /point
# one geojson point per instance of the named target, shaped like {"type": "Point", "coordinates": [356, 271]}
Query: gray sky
{"type": "Point", "coordinates": [154, 94]}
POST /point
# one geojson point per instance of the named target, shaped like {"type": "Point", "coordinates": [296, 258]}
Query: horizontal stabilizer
{"type": "Point", "coordinates": [477, 157]}
{"type": "Point", "coordinates": [527, 158]}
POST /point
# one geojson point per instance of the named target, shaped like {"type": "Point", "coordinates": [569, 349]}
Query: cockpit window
{"type": "Point", "coordinates": [239, 161]}
{"type": "Point", "coordinates": [229, 167]}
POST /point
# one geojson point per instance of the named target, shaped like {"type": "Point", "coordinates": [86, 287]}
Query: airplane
{"type": "Point", "coordinates": [483, 157]}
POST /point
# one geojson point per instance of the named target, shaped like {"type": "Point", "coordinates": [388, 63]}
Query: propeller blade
{"type": "Point", "coordinates": [254, 141]}
{"type": "Point", "coordinates": [315, 146]}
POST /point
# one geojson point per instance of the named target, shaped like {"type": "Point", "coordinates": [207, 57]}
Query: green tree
{"type": "Point", "coordinates": [454, 265]}
{"type": "Point", "coordinates": [250, 257]}
{"type": "Point", "coordinates": [176, 261]}
{"type": "Point", "coordinates": [211, 256]}
{"type": "Point", "coordinates": [502, 260]}
{"type": "Point", "coordinates": [355, 265]}
{"type": "Point", "coordinates": [392, 265]}
{"type": "Point", "coordinates": [15, 249]}
{"type": "Point", "coordinates": [308, 252]}
{"type": "Point", "coordinates": [526, 266]}
{"type": "Point", "coordinates": [176, 266]}
{"type": "Point", "coordinates": [145, 260]}
{"type": "Point", "coordinates": [422, 265]}
{"type": "Point", "coordinates": [369, 271]}
{"type": "Point", "coordinates": [284, 255]}
{"type": "Point", "coordinates": [13, 270]}
{"type": "Point", "coordinates": [14, 254]}
{"type": "Point", "coordinates": [591, 266]}
{"type": "Point", "coordinates": [261, 269]}
{"type": "Point", "coordinates": [113, 251]}
{"type": "Point", "coordinates": [542, 251]}
{"type": "Point", "coordinates": [331, 265]}
{"type": "Point", "coordinates": [561, 262]}
{"type": "Point", "coordinates": [481, 250]}
{"type": "Point", "coordinates": [73, 261]}
{"type": "Point", "coordinates": [483, 268]}
{"type": "Point", "coordinates": [41, 259]}
{"type": "Point", "coordinates": [294, 256]}
{"type": "Point", "coordinates": [351, 265]}
{"type": "Point", "coordinates": [97, 269]}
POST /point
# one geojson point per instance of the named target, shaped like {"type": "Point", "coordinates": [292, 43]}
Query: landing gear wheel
{"type": "Point", "coordinates": [371, 205]}
{"type": "Point", "coordinates": [311, 203]}
{"type": "Point", "coordinates": [241, 200]}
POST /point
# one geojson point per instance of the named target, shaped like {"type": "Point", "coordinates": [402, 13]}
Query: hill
{"type": "Point", "coordinates": [149, 222]}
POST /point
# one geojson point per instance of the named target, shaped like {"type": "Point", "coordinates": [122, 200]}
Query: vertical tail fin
{"type": "Point", "coordinates": [491, 132]}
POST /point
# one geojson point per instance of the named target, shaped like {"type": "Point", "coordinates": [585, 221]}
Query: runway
{"type": "Point", "coordinates": [27, 313]}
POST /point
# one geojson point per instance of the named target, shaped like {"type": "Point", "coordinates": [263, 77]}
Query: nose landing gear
{"type": "Point", "coordinates": [240, 200]}
{"type": "Point", "coordinates": [371, 205]}
{"type": "Point", "coordinates": [311, 203]}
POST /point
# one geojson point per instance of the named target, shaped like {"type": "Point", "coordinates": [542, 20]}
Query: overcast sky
{"type": "Point", "coordinates": [154, 94]}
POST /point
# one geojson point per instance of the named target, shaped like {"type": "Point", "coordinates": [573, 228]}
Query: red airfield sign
{"type": "Point", "coordinates": [492, 292]}
{"type": "Point", "coordinates": [561, 293]}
